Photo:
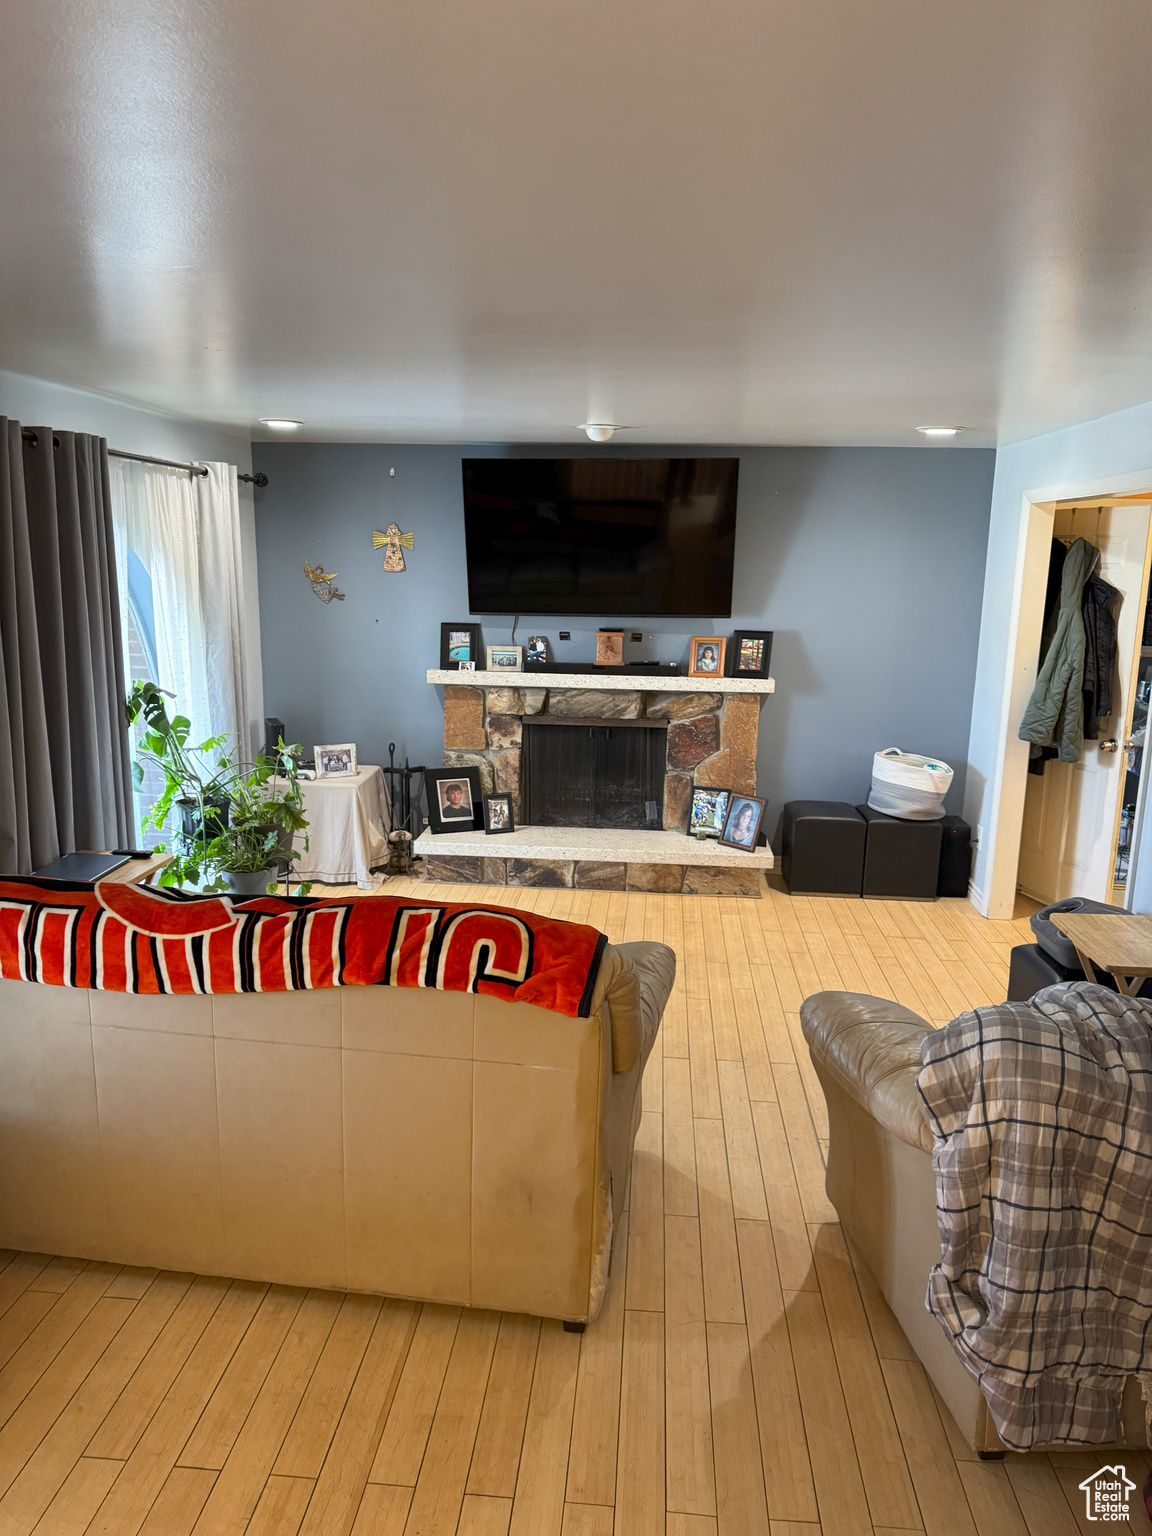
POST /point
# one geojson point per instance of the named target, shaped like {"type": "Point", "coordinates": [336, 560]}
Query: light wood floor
{"type": "Point", "coordinates": [743, 1380]}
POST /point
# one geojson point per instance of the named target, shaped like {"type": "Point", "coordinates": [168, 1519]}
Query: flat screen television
{"type": "Point", "coordinates": [617, 538]}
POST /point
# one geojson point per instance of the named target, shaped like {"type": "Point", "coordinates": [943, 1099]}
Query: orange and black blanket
{"type": "Point", "coordinates": [134, 938]}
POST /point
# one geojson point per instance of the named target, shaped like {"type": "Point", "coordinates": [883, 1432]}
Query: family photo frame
{"type": "Point", "coordinates": [498, 813]}
{"type": "Point", "coordinates": [335, 761]}
{"type": "Point", "coordinates": [505, 658]}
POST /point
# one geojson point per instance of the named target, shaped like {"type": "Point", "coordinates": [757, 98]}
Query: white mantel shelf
{"type": "Point", "coordinates": [639, 682]}
{"type": "Point", "coordinates": [598, 843]}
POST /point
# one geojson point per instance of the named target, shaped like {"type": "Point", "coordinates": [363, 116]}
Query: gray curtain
{"type": "Point", "coordinates": [65, 776]}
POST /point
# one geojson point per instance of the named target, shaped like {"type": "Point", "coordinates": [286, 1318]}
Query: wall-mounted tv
{"type": "Point", "coordinates": [617, 538]}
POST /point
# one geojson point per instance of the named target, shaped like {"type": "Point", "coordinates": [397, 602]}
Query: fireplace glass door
{"type": "Point", "coordinates": [603, 775]}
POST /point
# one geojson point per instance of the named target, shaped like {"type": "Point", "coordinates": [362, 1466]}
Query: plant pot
{"type": "Point", "coordinates": [193, 827]}
{"type": "Point", "coordinates": [249, 882]}
{"type": "Point", "coordinates": [283, 851]}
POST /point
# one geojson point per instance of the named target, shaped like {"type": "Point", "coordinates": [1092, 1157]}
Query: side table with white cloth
{"type": "Point", "coordinates": [349, 817]}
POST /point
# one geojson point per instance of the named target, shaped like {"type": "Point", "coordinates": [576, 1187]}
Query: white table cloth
{"type": "Point", "coordinates": [349, 816]}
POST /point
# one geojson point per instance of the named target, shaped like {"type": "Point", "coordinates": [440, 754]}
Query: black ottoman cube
{"type": "Point", "coordinates": [901, 858]}
{"type": "Point", "coordinates": [822, 848]}
{"type": "Point", "coordinates": [955, 856]}
{"type": "Point", "coordinates": [1030, 969]}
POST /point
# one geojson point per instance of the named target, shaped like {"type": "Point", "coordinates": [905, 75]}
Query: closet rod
{"type": "Point", "coordinates": [259, 478]}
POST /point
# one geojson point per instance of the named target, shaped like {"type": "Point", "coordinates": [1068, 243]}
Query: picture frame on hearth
{"type": "Point", "coordinates": [742, 823]}
{"type": "Point", "coordinates": [455, 799]}
{"type": "Point", "coordinates": [749, 653]}
{"type": "Point", "coordinates": [707, 811]}
{"type": "Point", "coordinates": [498, 813]}
{"type": "Point", "coordinates": [505, 658]}
{"type": "Point", "coordinates": [459, 643]}
{"type": "Point", "coordinates": [706, 655]}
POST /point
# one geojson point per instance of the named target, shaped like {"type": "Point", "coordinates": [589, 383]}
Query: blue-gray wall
{"type": "Point", "coordinates": [868, 563]}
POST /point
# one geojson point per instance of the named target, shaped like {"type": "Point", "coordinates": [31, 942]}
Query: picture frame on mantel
{"type": "Point", "coordinates": [706, 655]}
{"type": "Point", "coordinates": [749, 653]}
{"type": "Point", "coordinates": [505, 658]}
{"type": "Point", "coordinates": [459, 643]}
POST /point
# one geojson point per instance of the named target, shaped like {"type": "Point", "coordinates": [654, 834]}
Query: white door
{"type": "Point", "coordinates": [1072, 811]}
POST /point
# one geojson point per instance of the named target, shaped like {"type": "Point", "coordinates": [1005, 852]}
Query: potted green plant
{"type": "Point", "coordinates": [234, 824]}
{"type": "Point", "coordinates": [265, 812]}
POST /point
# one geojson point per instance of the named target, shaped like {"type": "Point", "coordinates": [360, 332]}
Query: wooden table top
{"type": "Point", "coordinates": [1118, 943]}
{"type": "Point", "coordinates": [138, 871]}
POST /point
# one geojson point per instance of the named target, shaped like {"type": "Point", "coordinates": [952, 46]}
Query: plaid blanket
{"type": "Point", "coordinates": [132, 938]}
{"type": "Point", "coordinates": [1042, 1119]}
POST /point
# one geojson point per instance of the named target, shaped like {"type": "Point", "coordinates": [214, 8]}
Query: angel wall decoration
{"type": "Point", "coordinates": [323, 583]}
{"type": "Point", "coordinates": [394, 539]}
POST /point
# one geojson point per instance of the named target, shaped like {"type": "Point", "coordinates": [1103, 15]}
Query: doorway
{"type": "Point", "coordinates": [1080, 819]}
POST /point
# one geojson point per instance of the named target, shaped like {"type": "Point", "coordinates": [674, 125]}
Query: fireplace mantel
{"type": "Point", "coordinates": [616, 682]}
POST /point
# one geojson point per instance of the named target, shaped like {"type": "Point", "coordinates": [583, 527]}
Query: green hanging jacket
{"type": "Point", "coordinates": [1055, 713]}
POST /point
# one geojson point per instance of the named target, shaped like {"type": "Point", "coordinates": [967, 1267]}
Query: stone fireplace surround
{"type": "Point", "coordinates": [712, 733]}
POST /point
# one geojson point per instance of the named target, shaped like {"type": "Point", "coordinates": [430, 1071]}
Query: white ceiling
{"type": "Point", "coordinates": [797, 221]}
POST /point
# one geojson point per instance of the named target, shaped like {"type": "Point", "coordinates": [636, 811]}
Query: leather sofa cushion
{"type": "Point", "coordinates": [636, 980]}
{"type": "Point", "coordinates": [871, 1047]}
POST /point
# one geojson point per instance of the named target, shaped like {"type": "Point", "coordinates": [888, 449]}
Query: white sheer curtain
{"type": "Point", "coordinates": [185, 531]}
{"type": "Point", "coordinates": [221, 617]}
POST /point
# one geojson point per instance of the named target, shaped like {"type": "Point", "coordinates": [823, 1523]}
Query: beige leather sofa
{"type": "Point", "coordinates": [866, 1052]}
{"type": "Point", "coordinates": [437, 1145]}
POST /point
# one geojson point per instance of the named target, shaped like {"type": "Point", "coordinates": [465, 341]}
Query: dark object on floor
{"type": "Point", "coordinates": [1031, 968]}
{"type": "Point", "coordinates": [822, 848]}
{"type": "Point", "coordinates": [574, 1327]}
{"type": "Point", "coordinates": [81, 866]}
{"type": "Point", "coordinates": [996, 1456]}
{"type": "Point", "coordinates": [955, 856]}
{"type": "Point", "coordinates": [405, 812]}
{"type": "Point", "coordinates": [1049, 937]}
{"type": "Point", "coordinates": [901, 858]}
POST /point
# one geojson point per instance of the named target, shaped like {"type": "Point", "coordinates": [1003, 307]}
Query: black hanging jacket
{"type": "Point", "coordinates": [1099, 653]}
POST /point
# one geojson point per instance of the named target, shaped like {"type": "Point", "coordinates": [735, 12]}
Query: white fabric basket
{"type": "Point", "coordinates": [907, 785]}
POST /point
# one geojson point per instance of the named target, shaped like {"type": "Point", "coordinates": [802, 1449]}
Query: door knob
{"type": "Point", "coordinates": [1110, 746]}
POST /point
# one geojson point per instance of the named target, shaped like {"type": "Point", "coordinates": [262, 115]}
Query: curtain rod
{"type": "Point", "coordinates": [260, 478]}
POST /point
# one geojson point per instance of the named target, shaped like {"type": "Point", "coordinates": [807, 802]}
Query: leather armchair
{"type": "Point", "coordinates": [866, 1052]}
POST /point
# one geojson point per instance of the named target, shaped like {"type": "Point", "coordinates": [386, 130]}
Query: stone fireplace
{"type": "Point", "coordinates": [667, 738]}
{"type": "Point", "coordinates": [710, 737]}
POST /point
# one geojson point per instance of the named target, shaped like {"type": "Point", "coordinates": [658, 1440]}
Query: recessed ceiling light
{"type": "Point", "coordinates": [598, 431]}
{"type": "Point", "coordinates": [939, 431]}
{"type": "Point", "coordinates": [280, 423]}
